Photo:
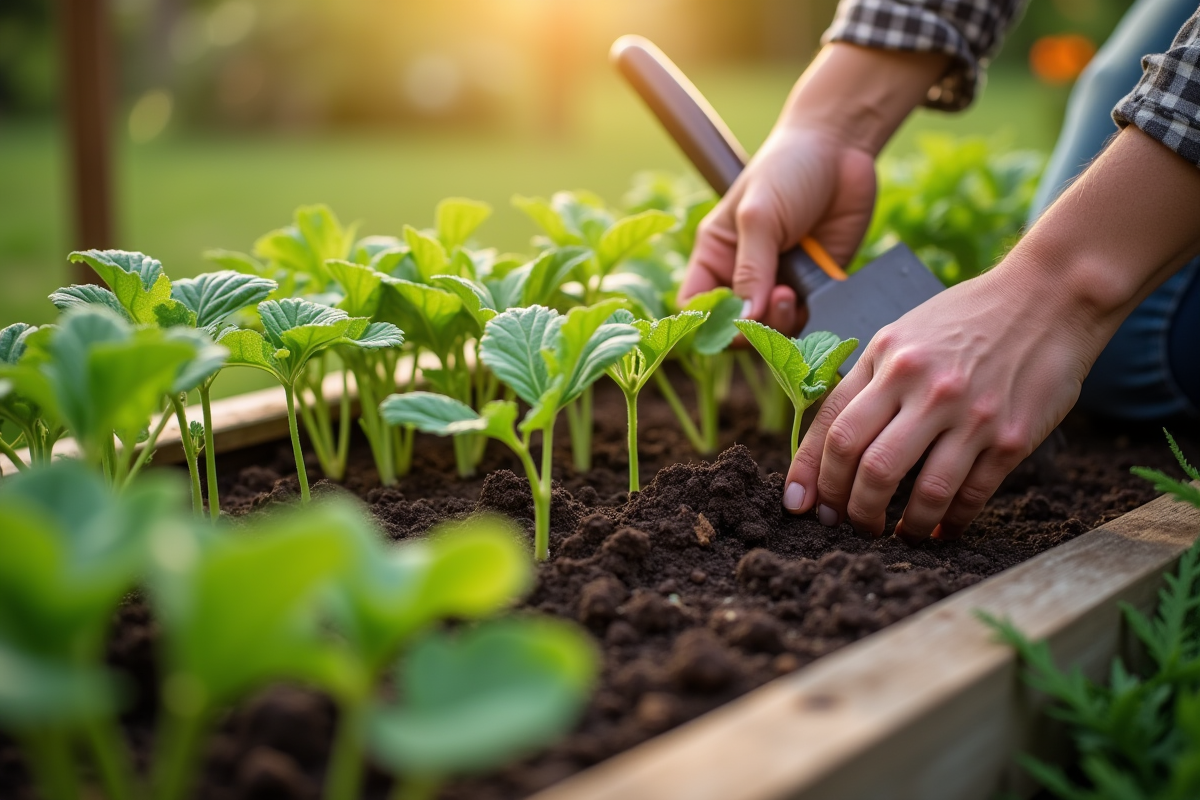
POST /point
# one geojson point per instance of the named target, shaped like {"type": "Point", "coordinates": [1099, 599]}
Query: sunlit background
{"type": "Point", "coordinates": [231, 113]}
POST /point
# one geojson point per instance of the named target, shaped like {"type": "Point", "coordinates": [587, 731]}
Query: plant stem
{"type": "Point", "coordinates": [579, 424]}
{"type": "Point", "coordinates": [707, 401]}
{"type": "Point", "coordinates": [147, 452]}
{"type": "Point", "coordinates": [210, 452]}
{"type": "Point", "coordinates": [464, 449]}
{"type": "Point", "coordinates": [189, 454]}
{"type": "Point", "coordinates": [320, 433]}
{"type": "Point", "coordinates": [108, 459]}
{"type": "Point", "coordinates": [297, 453]}
{"type": "Point", "coordinates": [635, 484]}
{"type": "Point", "coordinates": [541, 497]}
{"type": "Point", "coordinates": [685, 419]}
{"type": "Point", "coordinates": [415, 787]}
{"type": "Point", "coordinates": [343, 776]}
{"type": "Point", "coordinates": [343, 443]}
{"type": "Point", "coordinates": [112, 760]}
{"type": "Point", "coordinates": [52, 766]}
{"type": "Point", "coordinates": [796, 430]}
{"type": "Point", "coordinates": [12, 456]}
{"type": "Point", "coordinates": [177, 752]}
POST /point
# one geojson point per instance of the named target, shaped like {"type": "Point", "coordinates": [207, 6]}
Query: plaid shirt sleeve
{"type": "Point", "coordinates": [1166, 102]}
{"type": "Point", "coordinates": [969, 31]}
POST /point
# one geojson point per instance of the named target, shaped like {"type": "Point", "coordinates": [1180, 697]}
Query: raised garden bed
{"type": "Point", "coordinates": [701, 590]}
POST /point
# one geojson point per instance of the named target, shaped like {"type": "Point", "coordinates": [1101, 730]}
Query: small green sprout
{"type": "Point", "coordinates": [295, 331]}
{"type": "Point", "coordinates": [36, 431]}
{"type": "Point", "coordinates": [805, 368]}
{"type": "Point", "coordinates": [477, 699]}
{"type": "Point", "coordinates": [547, 359]}
{"type": "Point", "coordinates": [634, 371]}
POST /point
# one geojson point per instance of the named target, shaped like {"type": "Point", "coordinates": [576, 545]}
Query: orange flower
{"type": "Point", "coordinates": [1059, 59]}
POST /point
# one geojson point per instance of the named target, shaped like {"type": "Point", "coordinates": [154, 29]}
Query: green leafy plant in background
{"type": "Point", "coordinates": [294, 332]}
{"type": "Point", "coordinates": [548, 359]}
{"type": "Point", "coordinates": [1139, 735]}
{"type": "Point", "coordinates": [702, 355]}
{"type": "Point", "coordinates": [35, 430]}
{"type": "Point", "coordinates": [958, 203]}
{"type": "Point", "coordinates": [140, 291]}
{"type": "Point", "coordinates": [635, 369]}
{"type": "Point", "coordinates": [72, 549]}
{"type": "Point", "coordinates": [98, 376]}
{"type": "Point", "coordinates": [805, 368]}
{"type": "Point", "coordinates": [581, 219]}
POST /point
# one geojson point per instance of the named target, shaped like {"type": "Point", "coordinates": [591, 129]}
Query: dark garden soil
{"type": "Point", "coordinates": [697, 589]}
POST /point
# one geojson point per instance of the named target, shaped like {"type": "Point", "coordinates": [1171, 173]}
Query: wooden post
{"type": "Point", "coordinates": [88, 96]}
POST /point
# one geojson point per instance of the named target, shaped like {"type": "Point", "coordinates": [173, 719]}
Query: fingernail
{"type": "Point", "coordinates": [793, 496]}
{"type": "Point", "coordinates": [827, 516]}
{"type": "Point", "coordinates": [747, 305]}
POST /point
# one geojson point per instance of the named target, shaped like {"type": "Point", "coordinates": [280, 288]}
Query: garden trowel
{"type": "Point", "coordinates": [855, 305]}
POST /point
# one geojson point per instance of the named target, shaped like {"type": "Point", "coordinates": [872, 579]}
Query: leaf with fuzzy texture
{"type": "Point", "coordinates": [362, 287]}
{"type": "Point", "coordinates": [12, 342]}
{"type": "Point", "coordinates": [588, 344]}
{"type": "Point", "coordinates": [251, 349]}
{"type": "Point", "coordinates": [627, 235]}
{"type": "Point", "coordinates": [782, 357]}
{"type": "Point", "coordinates": [658, 338]}
{"type": "Point", "coordinates": [715, 335]}
{"type": "Point", "coordinates": [476, 298]}
{"type": "Point", "coordinates": [550, 271]}
{"type": "Point", "coordinates": [88, 294]}
{"type": "Point", "coordinates": [427, 412]}
{"type": "Point", "coordinates": [139, 284]}
{"type": "Point", "coordinates": [512, 346]}
{"type": "Point", "coordinates": [458, 218]}
{"type": "Point", "coordinates": [427, 252]}
{"type": "Point", "coordinates": [429, 316]}
{"type": "Point", "coordinates": [215, 296]}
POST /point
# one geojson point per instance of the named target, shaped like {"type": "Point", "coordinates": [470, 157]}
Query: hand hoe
{"type": "Point", "coordinates": [857, 305]}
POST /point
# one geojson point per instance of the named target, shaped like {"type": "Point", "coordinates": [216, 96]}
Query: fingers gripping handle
{"type": "Point", "coordinates": [703, 137]}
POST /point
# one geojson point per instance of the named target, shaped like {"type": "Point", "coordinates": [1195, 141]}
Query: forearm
{"type": "Point", "coordinates": [1126, 225]}
{"type": "Point", "coordinates": [861, 94]}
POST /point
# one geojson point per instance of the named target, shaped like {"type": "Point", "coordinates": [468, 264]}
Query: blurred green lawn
{"type": "Point", "coordinates": [188, 192]}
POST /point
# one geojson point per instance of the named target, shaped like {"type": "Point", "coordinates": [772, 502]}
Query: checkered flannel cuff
{"type": "Point", "coordinates": [1165, 104]}
{"type": "Point", "coordinates": [969, 31]}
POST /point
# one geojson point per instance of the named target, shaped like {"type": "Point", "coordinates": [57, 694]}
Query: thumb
{"type": "Point", "coordinates": [758, 245]}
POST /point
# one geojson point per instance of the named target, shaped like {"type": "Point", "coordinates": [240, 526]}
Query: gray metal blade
{"type": "Point", "coordinates": [877, 295]}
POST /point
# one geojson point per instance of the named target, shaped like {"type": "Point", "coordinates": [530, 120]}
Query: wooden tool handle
{"type": "Point", "coordinates": [711, 147]}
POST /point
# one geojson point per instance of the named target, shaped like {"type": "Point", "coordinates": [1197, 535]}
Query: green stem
{"type": "Point", "coordinates": [415, 787]}
{"type": "Point", "coordinates": [176, 756]}
{"type": "Point", "coordinates": [343, 776]}
{"type": "Point", "coordinates": [635, 484]}
{"type": "Point", "coordinates": [464, 449]}
{"type": "Point", "coordinates": [52, 766]}
{"type": "Point", "coordinates": [108, 459]}
{"type": "Point", "coordinates": [796, 430]}
{"type": "Point", "coordinates": [706, 388]}
{"type": "Point", "coordinates": [112, 760]}
{"type": "Point", "coordinates": [297, 453]}
{"type": "Point", "coordinates": [189, 454]}
{"type": "Point", "coordinates": [147, 452]}
{"type": "Point", "coordinates": [685, 419]}
{"type": "Point", "coordinates": [320, 433]}
{"type": "Point", "coordinates": [12, 456]}
{"type": "Point", "coordinates": [541, 497]}
{"type": "Point", "coordinates": [579, 424]}
{"type": "Point", "coordinates": [343, 444]}
{"type": "Point", "coordinates": [210, 453]}
{"type": "Point", "coordinates": [403, 447]}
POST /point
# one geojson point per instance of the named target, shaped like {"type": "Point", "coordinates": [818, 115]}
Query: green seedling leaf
{"type": "Point", "coordinates": [36, 693]}
{"type": "Point", "coordinates": [12, 341]}
{"type": "Point", "coordinates": [457, 219]}
{"type": "Point", "coordinates": [628, 235]}
{"type": "Point", "coordinates": [715, 335]}
{"type": "Point", "coordinates": [215, 296]}
{"type": "Point", "coordinates": [88, 294]}
{"type": "Point", "coordinates": [241, 610]}
{"type": "Point", "coordinates": [476, 298]}
{"type": "Point", "coordinates": [428, 412]}
{"type": "Point", "coordinates": [316, 236]}
{"type": "Point", "coordinates": [362, 287]}
{"type": "Point", "coordinates": [512, 348]}
{"type": "Point", "coordinates": [139, 285]}
{"type": "Point", "coordinates": [208, 359]}
{"type": "Point", "coordinates": [237, 262]}
{"type": "Point", "coordinates": [548, 219]}
{"type": "Point", "coordinates": [589, 343]}
{"type": "Point", "coordinates": [428, 253]}
{"type": "Point", "coordinates": [657, 340]}
{"type": "Point", "coordinates": [478, 699]}
{"type": "Point", "coordinates": [548, 273]}
{"type": "Point", "coordinates": [430, 317]}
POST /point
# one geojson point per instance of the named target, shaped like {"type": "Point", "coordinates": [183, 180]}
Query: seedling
{"type": "Point", "coordinates": [463, 571]}
{"type": "Point", "coordinates": [804, 368]}
{"type": "Point", "coordinates": [635, 369]}
{"type": "Point", "coordinates": [295, 331]}
{"type": "Point", "coordinates": [474, 700]}
{"type": "Point", "coordinates": [548, 360]}
{"type": "Point", "coordinates": [72, 549]}
{"type": "Point", "coordinates": [35, 431]}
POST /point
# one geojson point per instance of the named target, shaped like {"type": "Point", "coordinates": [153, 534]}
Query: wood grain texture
{"type": "Point", "coordinates": [928, 708]}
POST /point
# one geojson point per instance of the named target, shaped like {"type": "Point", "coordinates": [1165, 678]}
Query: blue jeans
{"type": "Point", "coordinates": [1151, 368]}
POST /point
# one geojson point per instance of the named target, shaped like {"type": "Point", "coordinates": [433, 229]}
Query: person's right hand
{"type": "Point", "coordinates": [802, 182]}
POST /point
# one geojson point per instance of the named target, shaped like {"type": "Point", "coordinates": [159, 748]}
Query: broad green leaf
{"type": "Point", "coordinates": [286, 249]}
{"type": "Point", "coordinates": [723, 307]}
{"type": "Point", "coordinates": [588, 345]}
{"type": "Point", "coordinates": [378, 335]}
{"type": "Point", "coordinates": [628, 234]}
{"type": "Point", "coordinates": [241, 610]}
{"type": "Point", "coordinates": [251, 349]}
{"type": "Point", "coordinates": [326, 237]}
{"type": "Point", "coordinates": [546, 218]}
{"type": "Point", "coordinates": [88, 294]}
{"type": "Point", "coordinates": [478, 567]}
{"type": "Point", "coordinates": [238, 262]}
{"type": "Point", "coordinates": [12, 342]}
{"type": "Point", "coordinates": [37, 693]}
{"type": "Point", "coordinates": [825, 356]}
{"type": "Point", "coordinates": [584, 214]}
{"type": "Point", "coordinates": [369, 248]}
{"type": "Point", "coordinates": [139, 284]}
{"type": "Point", "coordinates": [781, 354]}
{"type": "Point", "coordinates": [428, 252]}
{"type": "Point", "coordinates": [208, 359]}
{"type": "Point", "coordinates": [484, 696]}
{"type": "Point", "coordinates": [476, 298]}
{"type": "Point", "coordinates": [548, 273]}
{"type": "Point", "coordinates": [429, 316]}
{"type": "Point", "coordinates": [457, 219]}
{"type": "Point", "coordinates": [512, 346]}
{"type": "Point", "coordinates": [362, 287]}
{"type": "Point", "coordinates": [657, 340]}
{"type": "Point", "coordinates": [215, 296]}
{"type": "Point", "coordinates": [427, 411]}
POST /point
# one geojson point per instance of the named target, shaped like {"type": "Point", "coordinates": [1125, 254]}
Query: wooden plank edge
{"type": "Point", "coordinates": [240, 421]}
{"type": "Point", "coordinates": [927, 708]}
